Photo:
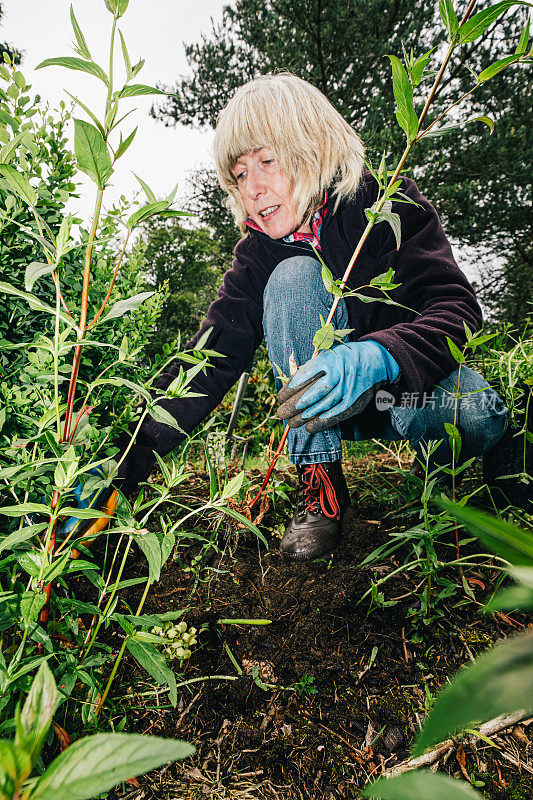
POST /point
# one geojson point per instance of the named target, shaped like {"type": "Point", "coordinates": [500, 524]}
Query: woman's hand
{"type": "Point", "coordinates": [335, 385]}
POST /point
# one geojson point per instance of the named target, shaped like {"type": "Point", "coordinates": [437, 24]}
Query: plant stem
{"type": "Point", "coordinates": [113, 279]}
{"type": "Point", "coordinates": [118, 659]}
{"type": "Point", "coordinates": [56, 363]}
{"type": "Point", "coordinates": [83, 315]}
{"type": "Point", "coordinates": [186, 683]}
{"type": "Point", "coordinates": [111, 598]}
{"type": "Point", "coordinates": [110, 85]}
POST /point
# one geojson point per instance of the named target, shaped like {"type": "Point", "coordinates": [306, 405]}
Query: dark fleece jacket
{"type": "Point", "coordinates": [432, 285]}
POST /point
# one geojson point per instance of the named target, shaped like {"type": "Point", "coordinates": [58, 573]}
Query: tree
{"type": "Point", "coordinates": [479, 183]}
{"type": "Point", "coordinates": [189, 261]}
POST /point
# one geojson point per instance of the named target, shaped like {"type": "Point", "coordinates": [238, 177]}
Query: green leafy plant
{"type": "Point", "coordinates": [499, 682]}
{"type": "Point", "coordinates": [82, 380]}
{"type": "Point", "coordinates": [86, 768]}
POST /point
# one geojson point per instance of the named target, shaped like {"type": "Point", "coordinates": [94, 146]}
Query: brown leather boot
{"type": "Point", "coordinates": [322, 499]}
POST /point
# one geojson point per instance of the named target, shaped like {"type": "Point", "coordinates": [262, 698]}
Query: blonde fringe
{"type": "Point", "coordinates": [315, 147]}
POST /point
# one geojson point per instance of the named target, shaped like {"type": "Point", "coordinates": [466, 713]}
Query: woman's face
{"type": "Point", "coordinates": [266, 193]}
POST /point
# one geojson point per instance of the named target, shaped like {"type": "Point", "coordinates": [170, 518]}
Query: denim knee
{"type": "Point", "coordinates": [477, 410]}
{"type": "Point", "coordinates": [292, 279]}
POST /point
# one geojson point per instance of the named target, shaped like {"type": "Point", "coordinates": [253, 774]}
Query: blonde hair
{"type": "Point", "coordinates": [314, 146]}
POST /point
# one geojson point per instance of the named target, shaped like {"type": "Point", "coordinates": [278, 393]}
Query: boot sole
{"type": "Point", "coordinates": [310, 556]}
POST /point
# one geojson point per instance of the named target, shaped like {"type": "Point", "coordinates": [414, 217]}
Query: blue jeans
{"type": "Point", "coordinates": [294, 298]}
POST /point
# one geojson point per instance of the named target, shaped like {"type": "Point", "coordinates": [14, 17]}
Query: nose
{"type": "Point", "coordinates": [255, 183]}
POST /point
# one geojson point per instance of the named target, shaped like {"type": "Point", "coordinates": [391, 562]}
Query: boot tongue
{"type": "Point", "coordinates": [319, 492]}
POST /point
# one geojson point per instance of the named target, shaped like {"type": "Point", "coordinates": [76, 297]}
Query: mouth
{"type": "Point", "coordinates": [267, 213]}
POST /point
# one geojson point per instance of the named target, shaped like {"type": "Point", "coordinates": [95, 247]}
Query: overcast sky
{"type": "Point", "coordinates": [153, 29]}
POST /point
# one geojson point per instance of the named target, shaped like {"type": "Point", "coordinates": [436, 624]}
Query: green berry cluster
{"type": "Point", "coordinates": [178, 640]}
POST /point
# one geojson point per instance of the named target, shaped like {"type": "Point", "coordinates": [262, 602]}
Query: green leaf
{"type": "Point", "coordinates": [31, 604]}
{"type": "Point", "coordinates": [18, 184]}
{"type": "Point", "coordinates": [22, 535]}
{"type": "Point", "coordinates": [56, 568]}
{"type": "Point", "coordinates": [449, 17]}
{"type": "Point", "coordinates": [7, 153]}
{"type": "Point", "coordinates": [506, 540]}
{"type": "Point", "coordinates": [138, 89]}
{"type": "Point", "coordinates": [34, 271]}
{"type": "Point", "coordinates": [123, 145]}
{"type": "Point", "coordinates": [117, 7]}
{"type": "Point", "coordinates": [241, 518]}
{"type": "Point", "coordinates": [88, 112]}
{"type": "Point", "coordinates": [493, 70]}
{"type": "Point", "coordinates": [403, 94]}
{"type": "Point", "coordinates": [24, 508]}
{"type": "Point", "coordinates": [33, 301]}
{"type": "Point", "coordinates": [202, 341]}
{"type": "Point", "coordinates": [75, 63]}
{"type": "Point", "coordinates": [135, 387]}
{"type": "Point", "coordinates": [419, 67]}
{"type": "Point", "coordinates": [423, 785]}
{"type": "Point", "coordinates": [450, 128]}
{"type": "Point", "coordinates": [329, 281]}
{"type": "Point", "coordinates": [511, 599]}
{"type": "Point", "coordinates": [83, 513]}
{"type": "Point", "coordinates": [149, 545]}
{"type": "Point", "coordinates": [91, 152]}
{"type": "Point", "coordinates": [146, 211]}
{"type": "Point", "coordinates": [523, 41]}
{"type": "Point", "coordinates": [168, 542]}
{"type": "Point", "coordinates": [324, 338]}
{"type": "Point", "coordinates": [498, 682]}
{"type": "Point", "coordinates": [395, 223]}
{"type": "Point", "coordinates": [154, 663]}
{"type": "Point", "coordinates": [148, 192]}
{"type": "Point", "coordinates": [474, 27]}
{"type": "Point", "coordinates": [125, 55]}
{"type": "Point", "coordinates": [233, 486]}
{"type": "Point", "coordinates": [37, 712]}
{"type": "Point", "coordinates": [162, 415]}
{"type": "Point", "coordinates": [385, 279]}
{"type": "Point", "coordinates": [456, 353]}
{"type": "Point", "coordinates": [83, 50]}
{"type": "Point", "coordinates": [15, 766]}
{"type": "Point", "coordinates": [96, 764]}
{"type": "Point", "coordinates": [124, 306]}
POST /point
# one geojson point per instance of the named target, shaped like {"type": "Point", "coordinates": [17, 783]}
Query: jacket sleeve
{"type": "Point", "coordinates": [432, 285]}
{"type": "Point", "coordinates": [235, 319]}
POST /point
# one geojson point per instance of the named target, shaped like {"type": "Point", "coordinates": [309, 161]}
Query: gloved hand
{"type": "Point", "coordinates": [335, 385]}
{"type": "Point", "coordinates": [103, 499]}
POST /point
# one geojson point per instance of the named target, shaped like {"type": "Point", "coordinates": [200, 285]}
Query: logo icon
{"type": "Point", "coordinates": [384, 400]}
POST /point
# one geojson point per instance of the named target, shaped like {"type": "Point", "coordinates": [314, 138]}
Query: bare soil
{"type": "Point", "coordinates": [347, 689]}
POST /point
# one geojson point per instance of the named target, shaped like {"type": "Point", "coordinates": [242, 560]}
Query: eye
{"type": "Point", "coordinates": [239, 175]}
{"type": "Point", "coordinates": [268, 161]}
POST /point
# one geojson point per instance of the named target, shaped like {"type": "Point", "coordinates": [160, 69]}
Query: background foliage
{"type": "Point", "coordinates": [481, 192]}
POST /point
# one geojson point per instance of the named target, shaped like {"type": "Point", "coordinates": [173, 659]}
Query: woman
{"type": "Point", "coordinates": [293, 172]}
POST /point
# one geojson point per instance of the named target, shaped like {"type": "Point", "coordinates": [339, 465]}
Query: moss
{"type": "Point", "coordinates": [517, 787]}
{"type": "Point", "coordinates": [395, 709]}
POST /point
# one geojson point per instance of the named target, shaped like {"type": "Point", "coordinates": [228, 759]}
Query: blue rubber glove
{"type": "Point", "coordinates": [335, 385]}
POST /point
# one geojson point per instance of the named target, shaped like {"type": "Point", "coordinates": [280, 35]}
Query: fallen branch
{"type": "Point", "coordinates": [489, 728]}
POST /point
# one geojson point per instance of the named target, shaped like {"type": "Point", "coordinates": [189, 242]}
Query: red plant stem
{"type": "Point", "coordinates": [78, 418]}
{"type": "Point", "coordinates": [43, 618]}
{"type": "Point", "coordinates": [113, 279]}
{"type": "Point", "coordinates": [468, 12]}
{"type": "Point", "coordinates": [63, 303]}
{"type": "Point", "coordinates": [83, 317]}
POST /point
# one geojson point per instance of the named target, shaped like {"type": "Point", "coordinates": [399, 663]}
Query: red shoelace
{"type": "Point", "coordinates": [319, 492]}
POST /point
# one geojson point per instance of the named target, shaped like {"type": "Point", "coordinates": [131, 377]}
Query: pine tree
{"type": "Point", "coordinates": [478, 182]}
